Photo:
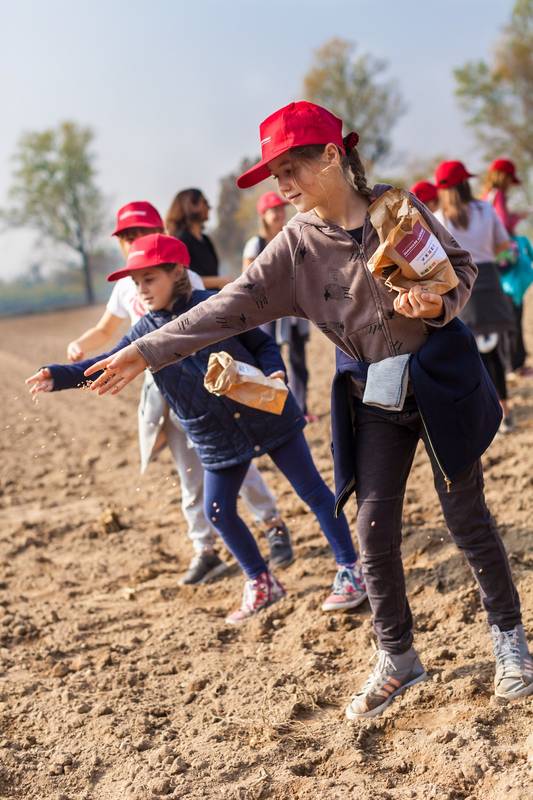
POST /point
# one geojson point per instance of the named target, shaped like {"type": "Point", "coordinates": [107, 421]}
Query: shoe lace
{"type": "Point", "coordinates": [276, 533]}
{"type": "Point", "coordinates": [507, 651]}
{"type": "Point", "coordinates": [255, 592]}
{"type": "Point", "coordinates": [383, 667]}
{"type": "Point", "coordinates": [345, 581]}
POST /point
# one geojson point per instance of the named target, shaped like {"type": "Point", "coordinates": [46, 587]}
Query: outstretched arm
{"type": "Point", "coordinates": [56, 377]}
{"type": "Point", "coordinates": [265, 292]}
{"type": "Point", "coordinates": [94, 338]}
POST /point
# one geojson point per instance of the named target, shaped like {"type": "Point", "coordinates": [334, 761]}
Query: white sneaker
{"type": "Point", "coordinates": [514, 664]}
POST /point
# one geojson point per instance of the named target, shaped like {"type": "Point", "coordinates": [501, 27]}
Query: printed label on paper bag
{"type": "Point", "coordinates": [421, 249]}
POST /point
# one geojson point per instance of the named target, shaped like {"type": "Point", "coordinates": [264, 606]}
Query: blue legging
{"type": "Point", "coordinates": [294, 460]}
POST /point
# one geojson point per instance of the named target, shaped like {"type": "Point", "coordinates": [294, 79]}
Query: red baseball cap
{"type": "Point", "coordinates": [507, 166]}
{"type": "Point", "coordinates": [269, 200]}
{"type": "Point", "coordinates": [152, 251]}
{"type": "Point", "coordinates": [425, 191]}
{"type": "Point", "coordinates": [450, 173]}
{"type": "Point", "coordinates": [294, 125]}
{"type": "Point", "coordinates": [138, 214]}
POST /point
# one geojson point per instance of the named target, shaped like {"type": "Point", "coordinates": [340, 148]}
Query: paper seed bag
{"type": "Point", "coordinates": [408, 245]}
{"type": "Point", "coordinates": [244, 384]}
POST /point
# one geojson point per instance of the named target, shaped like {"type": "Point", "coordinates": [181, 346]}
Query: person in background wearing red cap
{"type": "Point", "coordinates": [156, 425]}
{"type": "Point", "coordinates": [290, 330]}
{"type": "Point", "coordinates": [478, 229]}
{"type": "Point", "coordinates": [427, 193]}
{"type": "Point", "coordinates": [227, 435]}
{"type": "Point", "coordinates": [517, 272]}
{"type": "Point", "coordinates": [317, 269]}
{"type": "Point", "coordinates": [500, 178]}
{"type": "Point", "coordinates": [185, 219]}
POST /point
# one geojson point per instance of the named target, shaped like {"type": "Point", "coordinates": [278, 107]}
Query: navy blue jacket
{"type": "Point", "coordinates": [456, 398]}
{"type": "Point", "coordinates": [223, 432]}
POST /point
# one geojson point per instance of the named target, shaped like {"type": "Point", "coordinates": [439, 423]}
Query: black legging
{"type": "Point", "coordinates": [495, 367]}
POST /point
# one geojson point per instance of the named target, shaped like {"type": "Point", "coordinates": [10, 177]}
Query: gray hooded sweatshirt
{"type": "Point", "coordinates": [315, 270]}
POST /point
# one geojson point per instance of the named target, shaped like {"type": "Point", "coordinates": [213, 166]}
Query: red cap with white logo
{"type": "Point", "coordinates": [295, 125]}
{"type": "Point", "coordinates": [138, 214]}
{"type": "Point", "coordinates": [153, 251]}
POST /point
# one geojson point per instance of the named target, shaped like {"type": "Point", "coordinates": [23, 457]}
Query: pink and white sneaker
{"type": "Point", "coordinates": [348, 590]}
{"type": "Point", "coordinates": [259, 593]}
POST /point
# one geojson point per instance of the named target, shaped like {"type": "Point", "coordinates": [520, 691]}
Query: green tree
{"type": "Point", "coordinates": [53, 191]}
{"type": "Point", "coordinates": [497, 96]}
{"type": "Point", "coordinates": [355, 89]}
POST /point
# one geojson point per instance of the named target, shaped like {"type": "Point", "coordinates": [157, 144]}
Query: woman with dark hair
{"type": "Point", "coordinates": [477, 228]}
{"type": "Point", "coordinates": [186, 217]}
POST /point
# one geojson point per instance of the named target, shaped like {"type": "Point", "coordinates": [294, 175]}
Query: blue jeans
{"type": "Point", "coordinates": [294, 460]}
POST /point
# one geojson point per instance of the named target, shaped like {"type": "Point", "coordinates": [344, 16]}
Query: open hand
{"type": "Point", "coordinates": [74, 352]}
{"type": "Point", "coordinates": [418, 303]}
{"type": "Point", "coordinates": [42, 381]}
{"type": "Point", "coordinates": [119, 370]}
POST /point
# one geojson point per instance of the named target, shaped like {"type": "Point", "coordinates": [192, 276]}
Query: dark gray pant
{"type": "Point", "coordinates": [298, 374]}
{"type": "Point", "coordinates": [385, 445]}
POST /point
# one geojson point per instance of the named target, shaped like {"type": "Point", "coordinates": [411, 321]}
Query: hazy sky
{"type": "Point", "coordinates": [175, 90]}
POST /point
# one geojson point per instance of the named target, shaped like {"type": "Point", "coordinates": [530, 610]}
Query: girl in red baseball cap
{"type": "Point", "coordinates": [157, 427]}
{"type": "Point", "coordinates": [226, 434]}
{"type": "Point", "coordinates": [500, 178]}
{"type": "Point", "coordinates": [478, 229]}
{"type": "Point", "coordinates": [292, 331]}
{"type": "Point", "coordinates": [317, 269]}
{"type": "Point", "coordinates": [518, 276]}
{"type": "Point", "coordinates": [427, 193]}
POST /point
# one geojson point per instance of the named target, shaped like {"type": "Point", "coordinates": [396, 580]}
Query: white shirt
{"type": "Point", "coordinates": [125, 302]}
{"type": "Point", "coordinates": [485, 232]}
{"type": "Point", "coordinates": [252, 248]}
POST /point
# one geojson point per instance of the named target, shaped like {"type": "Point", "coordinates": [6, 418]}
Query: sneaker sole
{"type": "Point", "coordinates": [343, 606]}
{"type": "Point", "coordinates": [374, 712]}
{"type": "Point", "coordinates": [525, 692]}
{"type": "Point", "coordinates": [209, 576]}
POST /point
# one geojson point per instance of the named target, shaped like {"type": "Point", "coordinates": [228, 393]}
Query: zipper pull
{"type": "Point", "coordinates": [448, 484]}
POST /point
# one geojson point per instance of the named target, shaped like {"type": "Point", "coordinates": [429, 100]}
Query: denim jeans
{"type": "Point", "coordinates": [294, 460]}
{"type": "Point", "coordinates": [385, 445]}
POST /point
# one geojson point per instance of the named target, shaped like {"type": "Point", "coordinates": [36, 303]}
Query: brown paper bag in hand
{"type": "Point", "coordinates": [409, 253]}
{"type": "Point", "coordinates": [244, 384]}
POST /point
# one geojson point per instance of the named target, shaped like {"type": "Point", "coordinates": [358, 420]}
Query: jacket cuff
{"type": "Point", "coordinates": [148, 354]}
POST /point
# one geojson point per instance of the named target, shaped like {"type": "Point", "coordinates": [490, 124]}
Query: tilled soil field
{"type": "Point", "coordinates": [118, 683]}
